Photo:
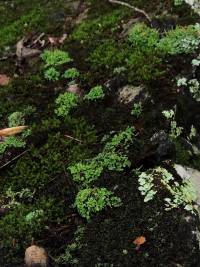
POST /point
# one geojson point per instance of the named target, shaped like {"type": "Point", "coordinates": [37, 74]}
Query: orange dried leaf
{"type": "Point", "coordinates": [4, 79]}
{"type": "Point", "coordinates": [12, 131]}
{"type": "Point", "coordinates": [139, 240]}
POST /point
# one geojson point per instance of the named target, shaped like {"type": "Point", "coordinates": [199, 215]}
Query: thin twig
{"type": "Point", "coordinates": [7, 163]}
{"type": "Point", "coordinates": [70, 137]}
{"type": "Point", "coordinates": [132, 7]}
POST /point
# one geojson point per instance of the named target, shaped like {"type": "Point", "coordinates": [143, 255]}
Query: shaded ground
{"type": "Point", "coordinates": [108, 238]}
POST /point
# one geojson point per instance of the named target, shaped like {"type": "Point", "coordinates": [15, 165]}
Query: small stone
{"type": "Point", "coordinates": [125, 252]}
{"type": "Point", "coordinates": [36, 256]}
{"type": "Point", "coordinates": [75, 89]}
{"type": "Point", "coordinates": [4, 80]}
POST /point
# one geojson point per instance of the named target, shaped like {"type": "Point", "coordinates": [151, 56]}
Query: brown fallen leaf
{"type": "Point", "coordinates": [4, 79]}
{"type": "Point", "coordinates": [12, 131]}
{"type": "Point", "coordinates": [140, 240]}
{"type": "Point", "coordinates": [53, 40]}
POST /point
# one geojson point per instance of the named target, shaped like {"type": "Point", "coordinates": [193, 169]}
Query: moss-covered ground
{"type": "Point", "coordinates": [101, 54]}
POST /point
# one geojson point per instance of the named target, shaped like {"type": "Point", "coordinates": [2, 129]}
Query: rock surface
{"type": "Point", "coordinates": [192, 174]}
{"type": "Point", "coordinates": [164, 146]}
{"type": "Point", "coordinates": [129, 93]}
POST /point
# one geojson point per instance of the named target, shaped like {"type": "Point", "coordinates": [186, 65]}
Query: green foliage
{"type": "Point", "coordinates": [121, 140]}
{"type": "Point", "coordinates": [86, 173]}
{"type": "Point", "coordinates": [68, 255]}
{"type": "Point", "coordinates": [34, 216]}
{"type": "Point", "coordinates": [146, 182]}
{"type": "Point", "coordinates": [71, 73]}
{"type": "Point", "coordinates": [158, 179]}
{"type": "Point", "coordinates": [175, 131]}
{"type": "Point", "coordinates": [192, 84]}
{"type": "Point", "coordinates": [53, 58]}
{"type": "Point", "coordinates": [184, 194]}
{"type": "Point", "coordinates": [12, 199]}
{"type": "Point", "coordinates": [65, 103]}
{"type": "Point", "coordinates": [194, 88]}
{"type": "Point", "coordinates": [52, 74]}
{"type": "Point", "coordinates": [180, 40]}
{"type": "Point", "coordinates": [137, 110]}
{"type": "Point", "coordinates": [114, 161]}
{"type": "Point", "coordinates": [178, 2]}
{"type": "Point", "coordinates": [110, 158]}
{"type": "Point", "coordinates": [92, 200]}
{"type": "Point", "coordinates": [95, 93]}
{"type": "Point", "coordinates": [16, 119]}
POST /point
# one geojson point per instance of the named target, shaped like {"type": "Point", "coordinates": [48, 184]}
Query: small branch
{"type": "Point", "coordinates": [17, 157]}
{"type": "Point", "coordinates": [132, 7]}
{"type": "Point", "coordinates": [75, 139]}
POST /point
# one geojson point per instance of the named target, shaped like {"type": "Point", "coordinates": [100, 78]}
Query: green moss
{"type": "Point", "coordinates": [14, 31]}
{"type": "Point", "coordinates": [138, 55]}
{"type": "Point", "coordinates": [144, 59]}
{"type": "Point", "coordinates": [143, 37]}
{"type": "Point", "coordinates": [140, 71]}
{"type": "Point", "coordinates": [24, 222]}
{"type": "Point", "coordinates": [95, 27]}
{"type": "Point", "coordinates": [20, 93]}
{"type": "Point", "coordinates": [40, 165]}
{"type": "Point", "coordinates": [109, 54]}
{"type": "Point", "coordinates": [182, 155]}
{"type": "Point", "coordinates": [23, 17]}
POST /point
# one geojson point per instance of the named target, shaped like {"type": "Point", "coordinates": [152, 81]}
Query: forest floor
{"type": "Point", "coordinates": [37, 192]}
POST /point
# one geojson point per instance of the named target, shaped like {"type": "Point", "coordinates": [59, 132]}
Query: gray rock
{"type": "Point", "coordinates": [129, 93]}
{"type": "Point", "coordinates": [188, 234]}
{"type": "Point", "coordinates": [192, 174]}
{"type": "Point", "coordinates": [164, 144]}
{"type": "Point", "coordinates": [192, 148]}
{"type": "Point", "coordinates": [190, 226]}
